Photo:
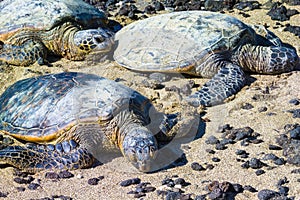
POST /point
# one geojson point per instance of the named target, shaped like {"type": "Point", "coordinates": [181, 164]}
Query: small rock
{"type": "Point", "coordinates": [21, 189]}
{"type": "Point", "coordinates": [51, 175]}
{"type": "Point", "coordinates": [93, 181]}
{"type": "Point", "coordinates": [212, 140]}
{"type": "Point", "coordinates": [197, 167]}
{"type": "Point", "coordinates": [247, 106]}
{"type": "Point", "coordinates": [4, 195]}
{"type": "Point", "coordinates": [255, 163]}
{"type": "Point", "coordinates": [220, 146]}
{"type": "Point", "coordinates": [283, 190]}
{"type": "Point", "coordinates": [274, 147]}
{"type": "Point", "coordinates": [222, 129]}
{"type": "Point", "coordinates": [294, 101]}
{"type": "Point", "coordinates": [259, 172]}
{"type": "Point", "coordinates": [130, 182]}
{"type": "Point", "coordinates": [65, 174]}
{"type": "Point", "coordinates": [33, 186]}
{"type": "Point", "coordinates": [267, 194]}
{"type": "Point", "coordinates": [23, 180]}
{"type": "Point", "coordinates": [295, 133]}
{"type": "Point", "coordinates": [279, 161]}
{"type": "Point", "coordinates": [250, 188]}
{"type": "Point", "coordinates": [215, 159]}
{"type": "Point", "coordinates": [262, 109]}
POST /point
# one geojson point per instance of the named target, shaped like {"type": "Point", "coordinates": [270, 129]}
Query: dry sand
{"type": "Point", "coordinates": [283, 88]}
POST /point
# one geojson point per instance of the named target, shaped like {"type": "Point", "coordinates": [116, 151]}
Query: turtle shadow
{"type": "Point", "coordinates": [171, 154]}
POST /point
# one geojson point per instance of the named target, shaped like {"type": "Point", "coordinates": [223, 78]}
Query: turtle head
{"type": "Point", "coordinates": [100, 40]}
{"type": "Point", "coordinates": [140, 148]}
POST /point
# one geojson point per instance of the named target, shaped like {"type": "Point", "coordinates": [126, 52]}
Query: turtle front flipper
{"type": "Point", "coordinates": [35, 157]}
{"type": "Point", "coordinates": [228, 81]}
{"type": "Point", "coordinates": [25, 54]}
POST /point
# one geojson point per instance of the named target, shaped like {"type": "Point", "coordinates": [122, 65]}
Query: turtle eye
{"type": "Point", "coordinates": [98, 39]}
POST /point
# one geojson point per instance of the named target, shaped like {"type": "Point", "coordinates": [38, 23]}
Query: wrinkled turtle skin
{"type": "Point", "coordinates": [69, 119]}
{"type": "Point", "coordinates": [205, 44]}
{"type": "Point", "coordinates": [31, 29]}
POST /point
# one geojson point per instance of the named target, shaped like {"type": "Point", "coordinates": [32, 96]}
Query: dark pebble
{"type": "Point", "coordinates": [200, 197]}
{"type": "Point", "coordinates": [262, 109]}
{"type": "Point", "coordinates": [215, 194]}
{"type": "Point", "coordinates": [293, 29]}
{"type": "Point", "coordinates": [215, 159]}
{"type": "Point", "coordinates": [226, 141]}
{"type": "Point", "coordinates": [222, 129]}
{"type": "Point", "coordinates": [295, 171]}
{"type": "Point", "coordinates": [259, 172]}
{"type": "Point", "coordinates": [283, 190]}
{"type": "Point", "coordinates": [281, 13]}
{"type": "Point", "coordinates": [33, 186]}
{"type": "Point", "coordinates": [65, 174]}
{"type": "Point", "coordinates": [237, 187]}
{"type": "Point", "coordinates": [20, 173]}
{"type": "Point", "coordinates": [220, 146]}
{"type": "Point", "coordinates": [21, 189]}
{"type": "Point", "coordinates": [149, 189]}
{"type": "Point", "coordinates": [209, 166]}
{"type": "Point", "coordinates": [210, 151]}
{"type": "Point", "coordinates": [212, 140]}
{"type": "Point", "coordinates": [274, 147]}
{"type": "Point", "coordinates": [295, 133]}
{"type": "Point", "coordinates": [166, 181]}
{"type": "Point", "coordinates": [279, 161]}
{"type": "Point", "coordinates": [61, 197]}
{"type": "Point", "coordinates": [130, 182]}
{"type": "Point", "coordinates": [296, 113]}
{"type": "Point", "coordinates": [248, 5]}
{"type": "Point", "coordinates": [267, 194]}
{"type": "Point", "coordinates": [247, 106]}
{"type": "Point", "coordinates": [161, 192]}
{"type": "Point", "coordinates": [4, 195]}
{"type": "Point", "coordinates": [93, 181]}
{"type": "Point", "coordinates": [245, 142]}
{"type": "Point", "coordinates": [139, 195]}
{"type": "Point", "coordinates": [173, 195]}
{"type": "Point", "coordinates": [197, 167]}
{"type": "Point", "coordinates": [294, 101]}
{"type": "Point", "coordinates": [249, 188]}
{"type": "Point", "coordinates": [270, 156]}
{"type": "Point", "coordinates": [256, 141]}
{"type": "Point", "coordinates": [51, 175]}
{"type": "Point", "coordinates": [245, 165]}
{"type": "Point", "coordinates": [243, 133]}
{"type": "Point", "coordinates": [24, 180]}
{"type": "Point", "coordinates": [159, 6]}
{"type": "Point", "coordinates": [180, 181]}
{"type": "Point", "coordinates": [255, 163]}
{"type": "Point", "coordinates": [240, 152]}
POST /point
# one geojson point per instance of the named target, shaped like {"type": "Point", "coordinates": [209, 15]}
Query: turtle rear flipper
{"type": "Point", "coordinates": [25, 54]}
{"type": "Point", "coordinates": [228, 81]}
{"type": "Point", "coordinates": [34, 157]}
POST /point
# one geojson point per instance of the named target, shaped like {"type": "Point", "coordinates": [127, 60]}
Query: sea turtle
{"type": "Point", "coordinates": [206, 44]}
{"type": "Point", "coordinates": [71, 118]}
{"type": "Point", "coordinates": [29, 29]}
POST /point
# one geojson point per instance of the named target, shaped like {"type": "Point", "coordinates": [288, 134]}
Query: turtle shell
{"type": "Point", "coordinates": [178, 41]}
{"type": "Point", "coordinates": [39, 109]}
{"type": "Point", "coordinates": [45, 14]}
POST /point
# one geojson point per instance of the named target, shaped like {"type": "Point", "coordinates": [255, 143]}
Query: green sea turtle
{"type": "Point", "coordinates": [206, 44]}
{"type": "Point", "coordinates": [29, 29]}
{"type": "Point", "coordinates": [71, 118]}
